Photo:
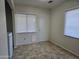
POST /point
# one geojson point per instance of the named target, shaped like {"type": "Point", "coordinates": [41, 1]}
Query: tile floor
{"type": "Point", "coordinates": [42, 50]}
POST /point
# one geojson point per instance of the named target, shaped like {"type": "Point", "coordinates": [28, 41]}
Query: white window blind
{"type": "Point", "coordinates": [72, 23]}
{"type": "Point", "coordinates": [20, 22]}
{"type": "Point", "coordinates": [31, 23]}
{"type": "Point", "coordinates": [25, 23]}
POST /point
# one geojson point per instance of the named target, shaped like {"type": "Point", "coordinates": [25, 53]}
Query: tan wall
{"type": "Point", "coordinates": [57, 27]}
{"type": "Point", "coordinates": [43, 18]}
{"type": "Point", "coordinates": [3, 32]}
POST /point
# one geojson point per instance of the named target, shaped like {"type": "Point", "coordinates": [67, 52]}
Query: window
{"type": "Point", "coordinates": [25, 23]}
{"type": "Point", "coordinates": [72, 23]}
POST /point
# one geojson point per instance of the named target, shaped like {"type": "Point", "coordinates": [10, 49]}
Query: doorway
{"type": "Point", "coordinates": [9, 26]}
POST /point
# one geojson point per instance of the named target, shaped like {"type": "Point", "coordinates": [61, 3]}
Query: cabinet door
{"type": "Point", "coordinates": [20, 23]}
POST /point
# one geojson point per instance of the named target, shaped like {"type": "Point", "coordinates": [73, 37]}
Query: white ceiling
{"type": "Point", "coordinates": [39, 3]}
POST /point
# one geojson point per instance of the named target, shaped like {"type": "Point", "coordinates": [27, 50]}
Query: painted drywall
{"type": "Point", "coordinates": [57, 27]}
{"type": "Point", "coordinates": [3, 32]}
{"type": "Point", "coordinates": [43, 18]}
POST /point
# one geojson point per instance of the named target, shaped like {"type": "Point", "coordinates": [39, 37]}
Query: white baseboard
{"type": "Point", "coordinates": [56, 43]}
{"type": "Point", "coordinates": [31, 43]}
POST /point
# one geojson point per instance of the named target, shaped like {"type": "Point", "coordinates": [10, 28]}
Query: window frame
{"type": "Point", "coordinates": [73, 8]}
{"type": "Point", "coordinates": [27, 24]}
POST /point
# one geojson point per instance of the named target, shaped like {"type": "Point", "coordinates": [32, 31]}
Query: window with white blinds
{"type": "Point", "coordinates": [72, 23]}
{"type": "Point", "coordinates": [25, 23]}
